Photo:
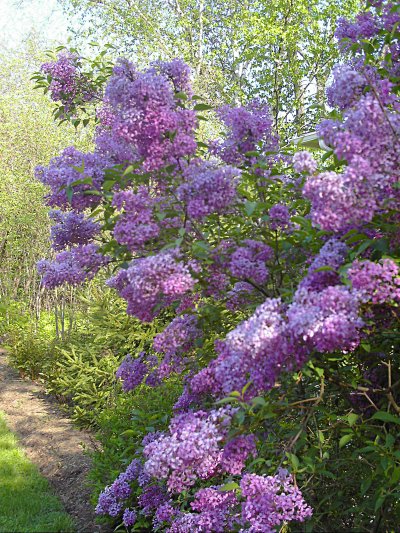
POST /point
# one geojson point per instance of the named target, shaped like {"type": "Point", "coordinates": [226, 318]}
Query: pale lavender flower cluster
{"type": "Point", "coordinates": [60, 174]}
{"type": "Point", "coordinates": [153, 282]}
{"type": "Point", "coordinates": [331, 256]}
{"type": "Point", "coordinates": [208, 189]}
{"type": "Point", "coordinates": [71, 228]}
{"type": "Point", "coordinates": [248, 261]}
{"type": "Point", "coordinates": [114, 149]}
{"type": "Point", "coordinates": [270, 501]}
{"type": "Point", "coordinates": [73, 266]}
{"type": "Point", "coordinates": [147, 115]}
{"type": "Point", "coordinates": [135, 225]}
{"type": "Point", "coordinates": [304, 162]}
{"type": "Point", "coordinates": [377, 282]}
{"type": "Point", "coordinates": [327, 320]}
{"type": "Point", "coordinates": [190, 450]}
{"type": "Point", "coordinates": [279, 218]}
{"type": "Point", "coordinates": [247, 127]}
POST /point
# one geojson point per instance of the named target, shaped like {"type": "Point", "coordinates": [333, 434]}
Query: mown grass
{"type": "Point", "coordinates": [26, 502]}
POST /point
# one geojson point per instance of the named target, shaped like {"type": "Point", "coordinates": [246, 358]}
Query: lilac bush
{"type": "Point", "coordinates": [277, 278]}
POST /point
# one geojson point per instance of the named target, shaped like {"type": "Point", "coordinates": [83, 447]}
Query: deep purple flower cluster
{"type": "Point", "coordinates": [178, 337]}
{"type": "Point", "coordinates": [179, 73]}
{"type": "Point", "coordinates": [147, 115]}
{"type": "Point", "coordinates": [208, 189]}
{"type": "Point", "coordinates": [136, 225]}
{"type": "Point", "coordinates": [279, 218]}
{"type": "Point", "coordinates": [247, 127]}
{"type": "Point", "coordinates": [60, 174]}
{"type": "Point", "coordinates": [365, 26]}
{"type": "Point", "coordinates": [304, 162]}
{"type": "Point", "coordinates": [153, 282]}
{"type": "Point", "coordinates": [330, 257]}
{"type": "Point", "coordinates": [239, 295]}
{"type": "Point", "coordinates": [73, 266]}
{"type": "Point", "coordinates": [111, 500]}
{"type": "Point", "coordinates": [190, 450]}
{"type": "Point", "coordinates": [132, 371]}
{"type": "Point", "coordinates": [71, 228]}
{"type": "Point", "coordinates": [236, 453]}
{"type": "Point", "coordinates": [248, 261]}
{"type": "Point", "coordinates": [377, 282]}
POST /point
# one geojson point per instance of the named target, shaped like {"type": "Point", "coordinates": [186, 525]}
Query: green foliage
{"type": "Point", "coordinates": [27, 504]}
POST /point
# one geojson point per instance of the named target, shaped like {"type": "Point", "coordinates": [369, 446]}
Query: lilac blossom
{"type": "Point", "coordinates": [248, 261]}
{"type": "Point", "coordinates": [247, 127]}
{"type": "Point", "coordinates": [178, 337]}
{"type": "Point", "coordinates": [72, 267]}
{"type": "Point", "coordinates": [331, 256]}
{"type": "Point", "coordinates": [190, 450]}
{"type": "Point", "coordinates": [147, 115]}
{"type": "Point", "coordinates": [129, 517]}
{"type": "Point", "coordinates": [304, 162]}
{"type": "Point", "coordinates": [132, 371]}
{"type": "Point", "coordinates": [377, 282]}
{"type": "Point", "coordinates": [135, 225]}
{"type": "Point", "coordinates": [270, 501]}
{"type": "Point", "coordinates": [236, 452]}
{"type": "Point", "coordinates": [327, 320]}
{"type": "Point", "coordinates": [60, 174]}
{"type": "Point", "coordinates": [208, 189]}
{"type": "Point", "coordinates": [71, 228]}
{"type": "Point", "coordinates": [279, 218]}
{"type": "Point", "coordinates": [153, 282]}
{"type": "Point", "coordinates": [347, 87]}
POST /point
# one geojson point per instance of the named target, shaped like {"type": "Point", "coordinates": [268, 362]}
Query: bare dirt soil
{"type": "Point", "coordinates": [51, 442]}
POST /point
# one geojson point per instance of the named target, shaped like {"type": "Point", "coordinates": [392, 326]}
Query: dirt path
{"type": "Point", "coordinates": [50, 441]}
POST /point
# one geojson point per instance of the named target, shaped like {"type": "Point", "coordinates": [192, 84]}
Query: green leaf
{"type": "Point", "coordinates": [232, 485]}
{"type": "Point", "coordinates": [250, 207]}
{"type": "Point", "coordinates": [352, 419]}
{"type": "Point", "coordinates": [386, 417]}
{"type": "Point", "coordinates": [345, 439]}
{"type": "Point", "coordinates": [202, 107]}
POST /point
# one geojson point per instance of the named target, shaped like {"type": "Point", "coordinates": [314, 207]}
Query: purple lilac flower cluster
{"type": "Point", "coordinates": [208, 189]}
{"type": "Point", "coordinates": [112, 499]}
{"type": "Point", "coordinates": [67, 82]}
{"type": "Point", "coordinates": [279, 218]}
{"type": "Point", "coordinates": [178, 337]}
{"type": "Point", "coordinates": [73, 266]}
{"type": "Point", "coordinates": [147, 115]}
{"type": "Point", "coordinates": [190, 450]}
{"type": "Point", "coordinates": [71, 228]}
{"type": "Point", "coordinates": [270, 501]}
{"type": "Point", "coordinates": [248, 261]}
{"type": "Point", "coordinates": [60, 174]}
{"type": "Point", "coordinates": [247, 127]}
{"type": "Point", "coordinates": [327, 320]}
{"type": "Point", "coordinates": [377, 282]}
{"type": "Point", "coordinates": [239, 295]}
{"type": "Point", "coordinates": [330, 257]}
{"type": "Point", "coordinates": [132, 371]}
{"type": "Point", "coordinates": [303, 162]}
{"type": "Point", "coordinates": [136, 225]}
{"type": "Point", "coordinates": [153, 282]}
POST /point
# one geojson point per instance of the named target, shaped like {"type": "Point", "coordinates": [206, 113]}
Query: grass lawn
{"type": "Point", "coordinates": [27, 504]}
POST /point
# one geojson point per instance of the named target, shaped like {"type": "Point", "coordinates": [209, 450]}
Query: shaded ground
{"type": "Point", "coordinates": [50, 441]}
